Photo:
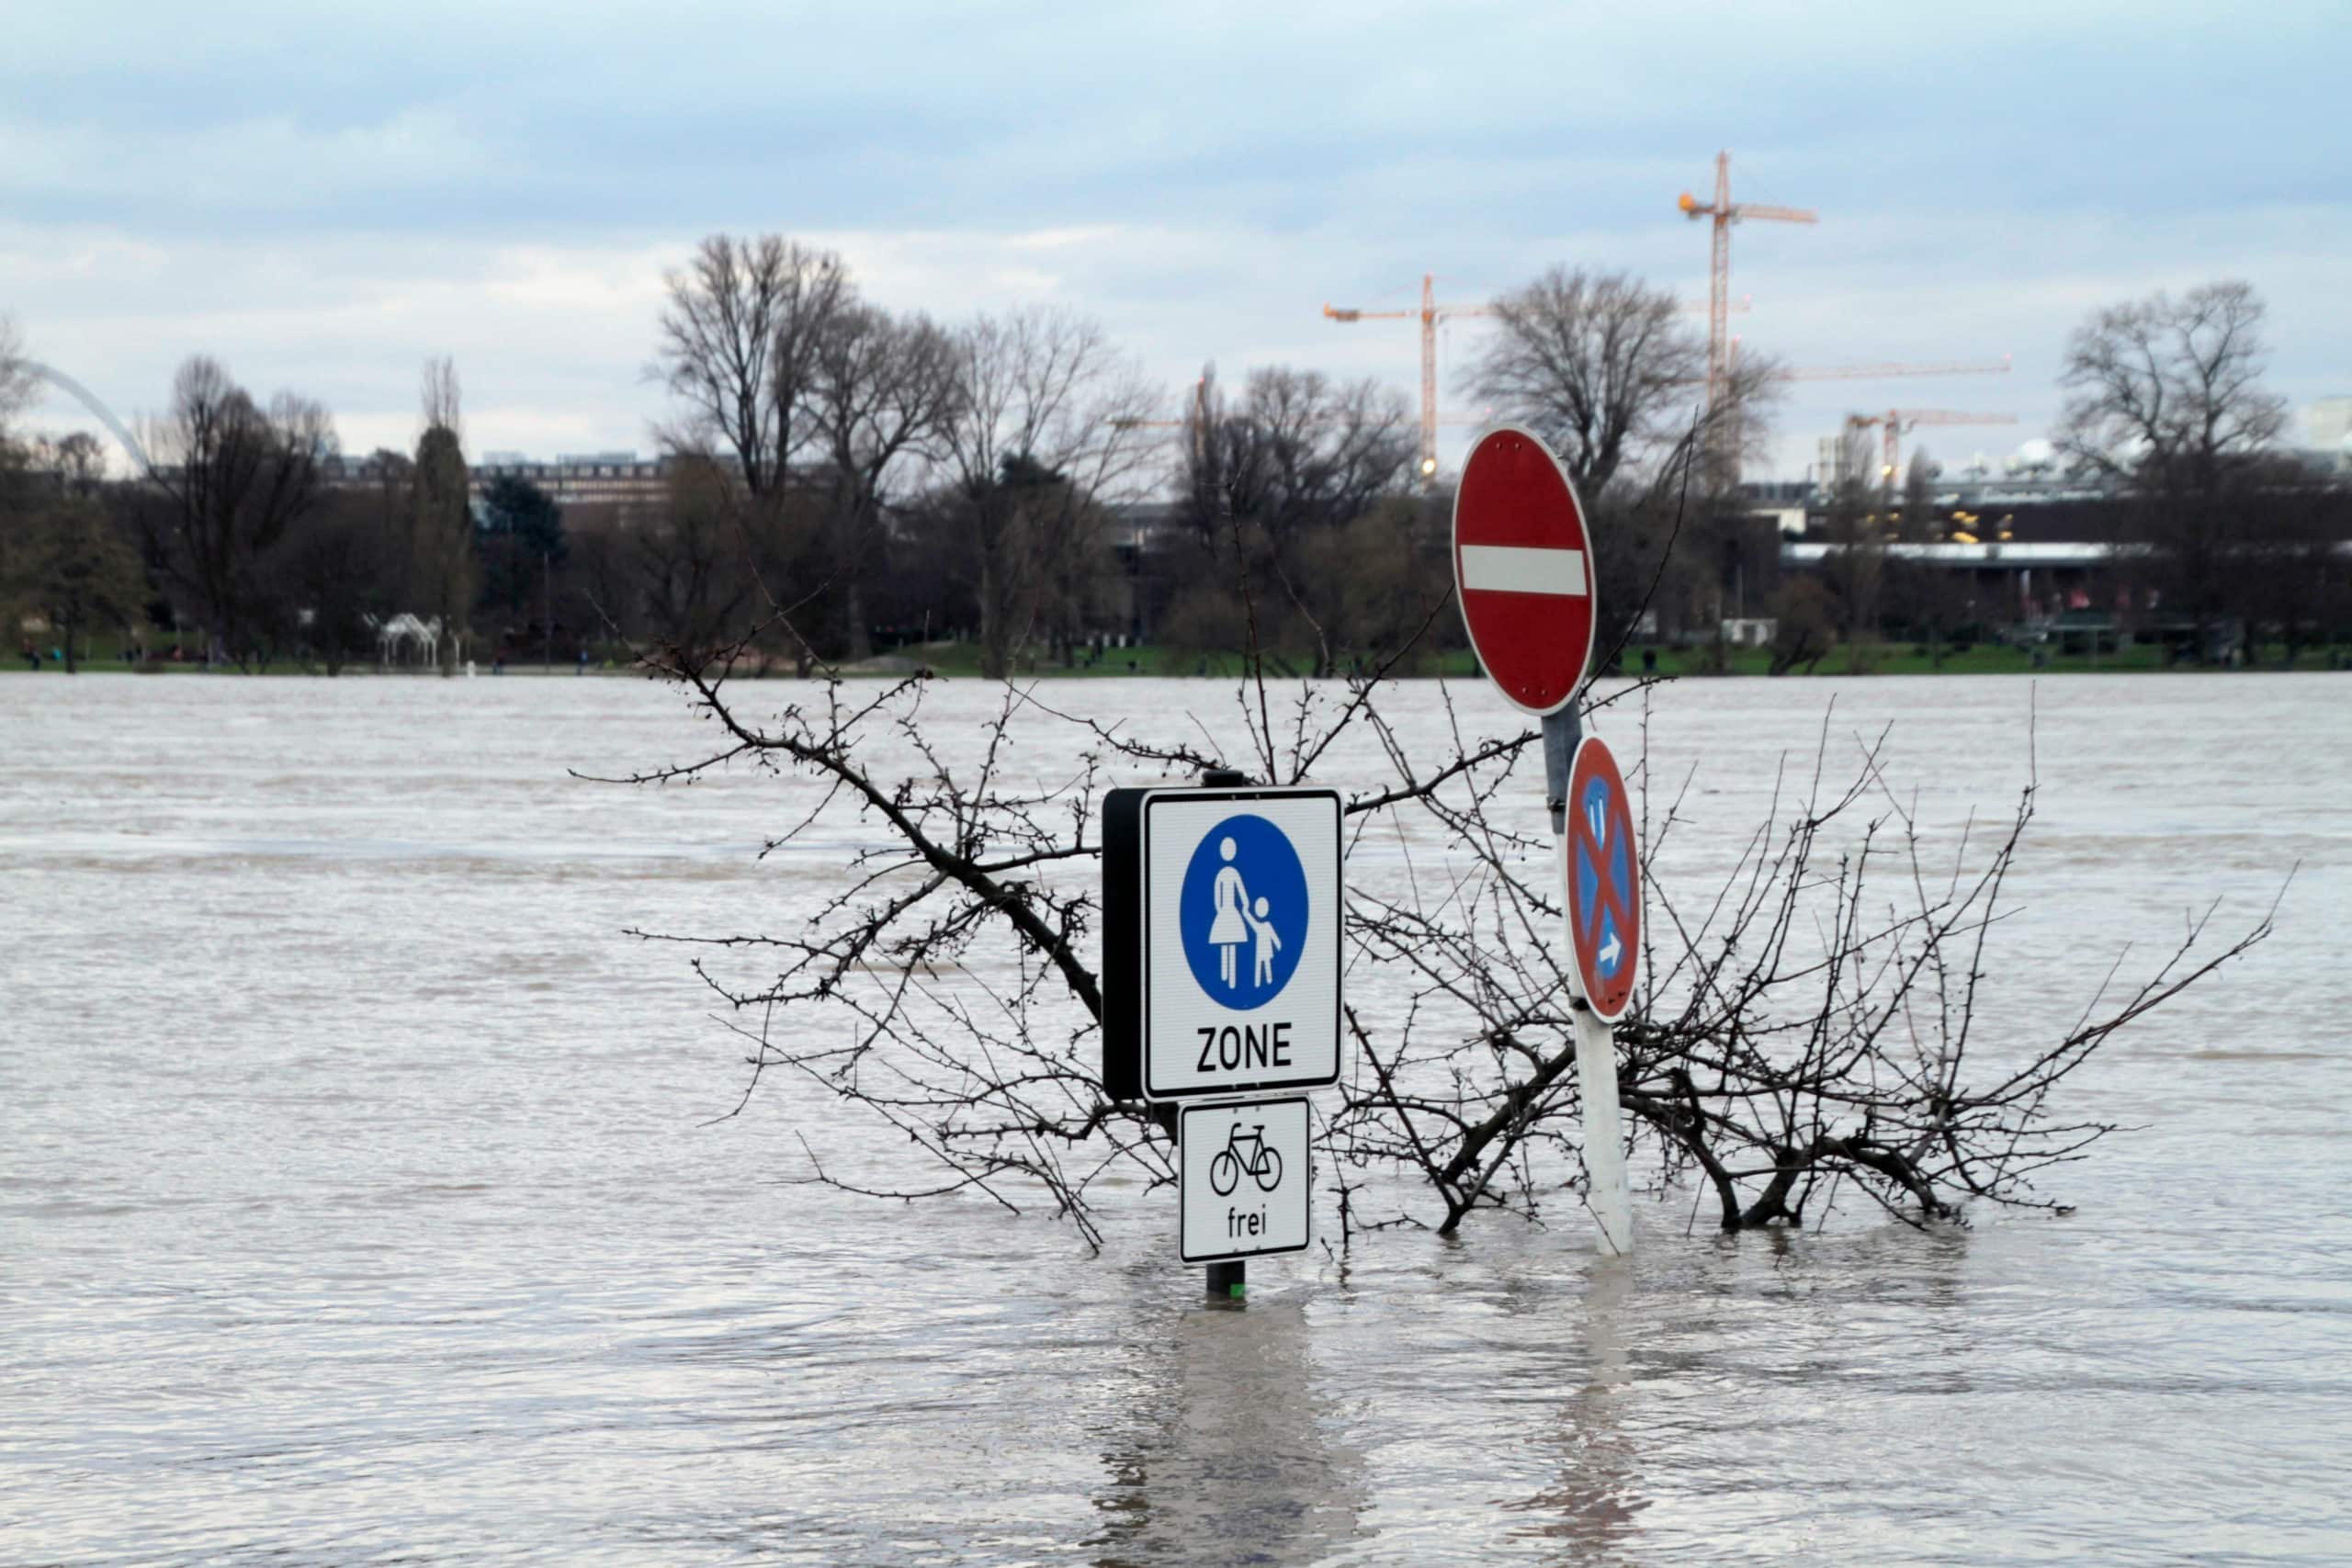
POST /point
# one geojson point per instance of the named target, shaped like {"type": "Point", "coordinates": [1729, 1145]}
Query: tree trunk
{"type": "Point", "coordinates": [995, 661]}
{"type": "Point", "coordinates": [860, 639]}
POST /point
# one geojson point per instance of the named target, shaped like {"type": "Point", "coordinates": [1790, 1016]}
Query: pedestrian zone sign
{"type": "Point", "coordinates": [1222, 920]}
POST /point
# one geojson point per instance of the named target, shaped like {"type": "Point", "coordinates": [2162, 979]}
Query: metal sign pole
{"type": "Point", "coordinates": [1604, 1133]}
{"type": "Point", "coordinates": [1226, 1281]}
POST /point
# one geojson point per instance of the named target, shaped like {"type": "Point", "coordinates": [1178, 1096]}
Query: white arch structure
{"type": "Point", "coordinates": [89, 399]}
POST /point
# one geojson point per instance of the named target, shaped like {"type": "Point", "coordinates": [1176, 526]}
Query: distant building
{"type": "Point", "coordinates": [2327, 432]}
{"type": "Point", "coordinates": [2327, 424]}
{"type": "Point", "coordinates": [623, 480]}
{"type": "Point", "coordinates": [615, 478]}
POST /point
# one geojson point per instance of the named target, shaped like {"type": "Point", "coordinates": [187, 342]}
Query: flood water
{"type": "Point", "coordinates": [356, 1201]}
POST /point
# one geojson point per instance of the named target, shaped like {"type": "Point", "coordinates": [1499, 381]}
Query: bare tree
{"type": "Point", "coordinates": [1265, 484]}
{"type": "Point", "coordinates": [1806, 625]}
{"type": "Point", "coordinates": [1806, 1032]}
{"type": "Point", "coordinates": [81, 572]}
{"type": "Point", "coordinates": [696, 574]}
{"type": "Point", "coordinates": [17, 382]}
{"type": "Point", "coordinates": [342, 565]}
{"type": "Point", "coordinates": [2166, 395]}
{"type": "Point", "coordinates": [2296, 582]}
{"type": "Point", "coordinates": [78, 460]}
{"type": "Point", "coordinates": [886, 391]}
{"type": "Point", "coordinates": [740, 336]}
{"type": "Point", "coordinates": [1919, 497]}
{"type": "Point", "coordinates": [234, 477]}
{"type": "Point", "coordinates": [1301, 451]}
{"type": "Point", "coordinates": [1854, 570]}
{"type": "Point", "coordinates": [1044, 435]}
{"type": "Point", "coordinates": [440, 397]}
{"type": "Point", "coordinates": [1609, 372]}
{"type": "Point", "coordinates": [441, 537]}
{"type": "Point", "coordinates": [1612, 374]}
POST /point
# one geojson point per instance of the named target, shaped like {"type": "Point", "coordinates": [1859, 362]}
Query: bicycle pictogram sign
{"type": "Point", "coordinates": [1244, 1174]}
{"type": "Point", "coordinates": [1604, 880]}
{"type": "Point", "coordinates": [1249, 1154]}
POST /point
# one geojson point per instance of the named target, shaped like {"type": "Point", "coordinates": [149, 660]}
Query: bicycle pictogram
{"type": "Point", "coordinates": [1264, 1165]}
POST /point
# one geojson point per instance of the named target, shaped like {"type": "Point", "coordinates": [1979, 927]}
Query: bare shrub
{"type": "Point", "coordinates": [1805, 1031]}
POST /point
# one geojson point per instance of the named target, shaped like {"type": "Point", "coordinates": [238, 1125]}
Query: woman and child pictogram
{"type": "Point", "coordinates": [1238, 918]}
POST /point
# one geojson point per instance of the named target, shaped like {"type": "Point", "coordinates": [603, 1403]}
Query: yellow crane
{"type": "Point", "coordinates": [1725, 212]}
{"type": "Point", "coordinates": [1894, 422]}
{"type": "Point", "coordinates": [1430, 314]}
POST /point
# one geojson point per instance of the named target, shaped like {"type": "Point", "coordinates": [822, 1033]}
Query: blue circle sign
{"type": "Point", "coordinates": [1243, 917]}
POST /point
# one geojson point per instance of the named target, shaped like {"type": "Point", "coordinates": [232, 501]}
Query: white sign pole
{"type": "Point", "coordinates": [1604, 1137]}
{"type": "Point", "coordinates": [1604, 1132]}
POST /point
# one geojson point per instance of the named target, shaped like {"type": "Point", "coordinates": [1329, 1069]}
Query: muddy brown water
{"type": "Point", "coordinates": [356, 1202]}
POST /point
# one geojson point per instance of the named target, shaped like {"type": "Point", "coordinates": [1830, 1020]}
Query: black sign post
{"type": "Point", "coordinates": [1122, 1075]}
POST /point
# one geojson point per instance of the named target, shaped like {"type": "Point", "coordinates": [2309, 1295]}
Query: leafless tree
{"type": "Point", "coordinates": [2291, 575]}
{"type": "Point", "coordinates": [78, 460]}
{"type": "Point", "coordinates": [441, 398]}
{"type": "Point", "coordinates": [739, 348]}
{"type": "Point", "coordinates": [16, 381]}
{"type": "Point", "coordinates": [1610, 373]}
{"type": "Point", "coordinates": [441, 538]}
{"type": "Point", "coordinates": [1044, 436]}
{"type": "Point", "coordinates": [886, 393]}
{"type": "Point", "coordinates": [1806, 625]}
{"type": "Point", "coordinates": [1855, 569]}
{"type": "Point", "coordinates": [234, 477]}
{"type": "Point", "coordinates": [342, 565]}
{"type": "Point", "coordinates": [2166, 395]}
{"type": "Point", "coordinates": [1805, 1033]}
{"type": "Point", "coordinates": [1266, 483]}
{"type": "Point", "coordinates": [79, 571]}
{"type": "Point", "coordinates": [1300, 451]}
{"type": "Point", "coordinates": [694, 572]}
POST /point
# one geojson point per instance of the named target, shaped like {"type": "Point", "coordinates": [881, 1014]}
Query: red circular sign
{"type": "Point", "coordinates": [1605, 879]}
{"type": "Point", "coordinates": [1522, 570]}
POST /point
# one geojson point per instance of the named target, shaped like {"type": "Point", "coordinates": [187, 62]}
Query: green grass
{"type": "Point", "coordinates": [1981, 659]}
{"type": "Point", "coordinates": [962, 660]}
{"type": "Point", "coordinates": [103, 654]}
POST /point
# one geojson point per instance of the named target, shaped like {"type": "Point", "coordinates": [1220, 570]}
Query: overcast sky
{"type": "Point", "coordinates": [322, 197]}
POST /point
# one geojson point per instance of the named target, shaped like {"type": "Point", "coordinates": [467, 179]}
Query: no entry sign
{"type": "Point", "coordinates": [1604, 880]}
{"type": "Point", "coordinates": [1522, 570]}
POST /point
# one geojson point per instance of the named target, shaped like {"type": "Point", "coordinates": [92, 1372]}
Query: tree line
{"type": "Point", "coordinates": [841, 477]}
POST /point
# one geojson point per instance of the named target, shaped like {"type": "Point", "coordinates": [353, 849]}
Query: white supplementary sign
{"type": "Point", "coordinates": [1516, 569]}
{"type": "Point", "coordinates": [1240, 936]}
{"type": "Point", "coordinates": [1245, 1180]}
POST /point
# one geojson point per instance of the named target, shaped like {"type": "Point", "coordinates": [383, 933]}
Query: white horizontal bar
{"type": "Point", "coordinates": [1512, 569]}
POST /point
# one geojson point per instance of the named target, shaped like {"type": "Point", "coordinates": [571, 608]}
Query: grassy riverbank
{"type": "Point", "coordinates": [960, 659]}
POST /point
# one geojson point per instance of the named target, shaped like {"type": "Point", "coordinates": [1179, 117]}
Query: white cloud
{"type": "Point", "coordinates": [322, 197]}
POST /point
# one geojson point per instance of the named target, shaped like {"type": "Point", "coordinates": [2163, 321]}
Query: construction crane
{"type": "Point", "coordinates": [1726, 212]}
{"type": "Point", "coordinates": [1894, 422]}
{"type": "Point", "coordinates": [1430, 314]}
{"type": "Point", "coordinates": [1200, 413]}
{"type": "Point", "coordinates": [1880, 371]}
